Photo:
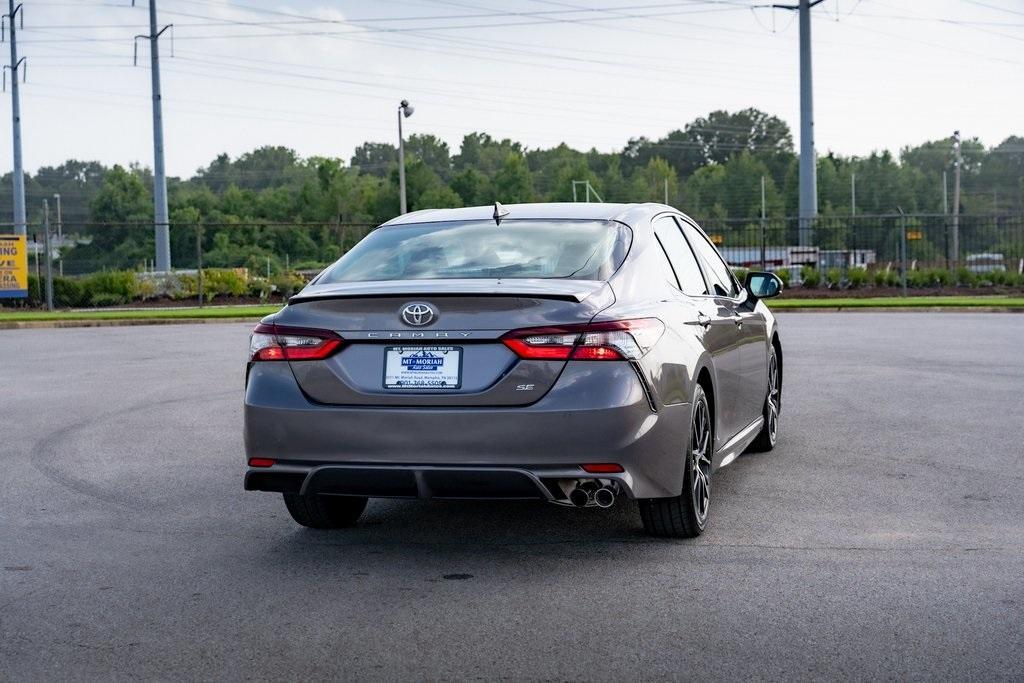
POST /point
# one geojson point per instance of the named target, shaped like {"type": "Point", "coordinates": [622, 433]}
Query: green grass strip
{"type": "Point", "coordinates": [208, 313]}
{"type": "Point", "coordinates": [900, 302]}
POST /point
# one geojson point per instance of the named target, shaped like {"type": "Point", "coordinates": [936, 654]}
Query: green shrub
{"type": "Point", "coordinates": [741, 274]}
{"type": "Point", "coordinates": [783, 274]}
{"type": "Point", "coordinates": [810, 276]}
{"type": "Point", "coordinates": [966, 278]}
{"type": "Point", "coordinates": [184, 286]}
{"type": "Point", "coordinates": [224, 282]}
{"type": "Point", "coordinates": [148, 289]}
{"type": "Point", "coordinates": [122, 284]}
{"type": "Point", "coordinates": [68, 292]}
{"type": "Point", "coordinates": [258, 286]}
{"type": "Point", "coordinates": [858, 277]}
{"type": "Point", "coordinates": [941, 276]}
{"type": "Point", "coordinates": [287, 284]}
{"type": "Point", "coordinates": [106, 299]}
{"type": "Point", "coordinates": [918, 278]}
{"type": "Point", "coordinates": [311, 265]}
{"type": "Point", "coordinates": [833, 277]}
{"type": "Point", "coordinates": [996, 277]}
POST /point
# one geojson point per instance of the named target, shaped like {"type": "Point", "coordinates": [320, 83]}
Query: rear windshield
{"type": "Point", "coordinates": [578, 250]}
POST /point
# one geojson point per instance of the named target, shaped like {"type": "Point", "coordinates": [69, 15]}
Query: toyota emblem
{"type": "Point", "coordinates": [418, 314]}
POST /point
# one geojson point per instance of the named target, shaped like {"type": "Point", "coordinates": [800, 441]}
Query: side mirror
{"type": "Point", "coordinates": [762, 285]}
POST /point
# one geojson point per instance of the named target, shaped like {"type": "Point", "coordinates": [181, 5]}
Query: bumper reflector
{"type": "Point", "coordinates": [261, 462]}
{"type": "Point", "coordinates": [602, 468]}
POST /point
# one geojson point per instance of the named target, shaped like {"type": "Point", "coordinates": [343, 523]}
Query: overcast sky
{"type": "Point", "coordinates": [322, 77]}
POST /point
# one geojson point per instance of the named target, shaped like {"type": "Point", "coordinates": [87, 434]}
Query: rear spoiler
{"type": "Point", "coordinates": [558, 289]}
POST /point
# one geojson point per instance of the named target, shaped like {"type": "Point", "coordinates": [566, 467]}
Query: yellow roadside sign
{"type": "Point", "coordinates": [915, 235]}
{"type": "Point", "coordinates": [13, 267]}
{"type": "Point", "coordinates": [717, 239]}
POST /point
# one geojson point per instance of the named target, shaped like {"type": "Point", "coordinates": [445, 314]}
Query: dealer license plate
{"type": "Point", "coordinates": [422, 367]}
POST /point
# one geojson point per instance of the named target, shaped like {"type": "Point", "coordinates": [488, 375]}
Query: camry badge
{"type": "Point", "coordinates": [418, 314]}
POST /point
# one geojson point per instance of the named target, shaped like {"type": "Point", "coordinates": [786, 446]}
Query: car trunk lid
{"type": "Point", "coordinates": [459, 348]}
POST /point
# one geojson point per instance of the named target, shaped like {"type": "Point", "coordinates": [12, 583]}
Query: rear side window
{"type": "Point", "coordinates": [719, 276]}
{"type": "Point", "coordinates": [680, 255]}
{"type": "Point", "coordinates": [578, 250]}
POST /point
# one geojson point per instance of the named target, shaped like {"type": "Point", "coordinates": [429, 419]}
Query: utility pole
{"type": "Point", "coordinates": [808, 159]}
{"type": "Point", "coordinates": [945, 194]}
{"type": "Point", "coordinates": [954, 243]}
{"type": "Point", "coordinates": [903, 250]}
{"type": "Point", "coordinates": [764, 214]}
{"type": "Point", "coordinates": [161, 224]}
{"type": "Point", "coordinates": [60, 236]}
{"type": "Point", "coordinates": [853, 194]}
{"type": "Point", "coordinates": [404, 110]}
{"type": "Point", "coordinates": [18, 174]}
{"type": "Point", "coordinates": [49, 254]}
{"type": "Point", "coordinates": [666, 191]}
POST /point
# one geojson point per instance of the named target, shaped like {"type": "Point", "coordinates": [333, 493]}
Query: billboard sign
{"type": "Point", "coordinates": [13, 267]}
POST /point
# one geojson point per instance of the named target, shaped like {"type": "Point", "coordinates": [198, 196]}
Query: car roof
{"type": "Point", "coordinates": [624, 213]}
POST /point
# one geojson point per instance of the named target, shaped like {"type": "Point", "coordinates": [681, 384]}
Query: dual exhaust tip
{"type": "Point", "coordinates": [592, 493]}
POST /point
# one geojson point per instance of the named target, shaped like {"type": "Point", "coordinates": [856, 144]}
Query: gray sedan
{"type": "Point", "coordinates": [572, 353]}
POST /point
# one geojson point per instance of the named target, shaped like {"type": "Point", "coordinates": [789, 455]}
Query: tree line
{"type": "Point", "coordinates": [711, 168]}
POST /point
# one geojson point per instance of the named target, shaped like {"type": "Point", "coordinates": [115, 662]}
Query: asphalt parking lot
{"type": "Point", "coordinates": [883, 538]}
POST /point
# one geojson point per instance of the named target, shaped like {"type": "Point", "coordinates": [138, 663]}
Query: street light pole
{"type": "Point", "coordinates": [954, 245]}
{"type": "Point", "coordinates": [60, 236]}
{"type": "Point", "coordinates": [405, 110]}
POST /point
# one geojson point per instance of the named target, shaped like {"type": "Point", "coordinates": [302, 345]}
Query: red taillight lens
{"type": "Point", "coordinates": [544, 343]}
{"type": "Point", "coordinates": [261, 462]}
{"type": "Point", "coordinates": [608, 340]}
{"type": "Point", "coordinates": [280, 342]}
{"type": "Point", "coordinates": [602, 468]}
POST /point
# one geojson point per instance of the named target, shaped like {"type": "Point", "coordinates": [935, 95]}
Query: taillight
{"type": "Point", "coordinates": [602, 468]}
{"type": "Point", "coordinates": [280, 342]}
{"type": "Point", "coordinates": [609, 340]}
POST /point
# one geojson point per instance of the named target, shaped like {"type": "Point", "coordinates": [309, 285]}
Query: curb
{"type": "Point", "coordinates": [899, 309]}
{"type": "Point", "coordinates": [128, 322]}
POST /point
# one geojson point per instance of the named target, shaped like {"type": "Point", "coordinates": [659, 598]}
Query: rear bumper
{"type": "Point", "coordinates": [427, 482]}
{"type": "Point", "coordinates": [594, 413]}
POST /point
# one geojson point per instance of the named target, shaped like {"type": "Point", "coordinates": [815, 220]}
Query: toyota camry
{"type": "Point", "coordinates": [579, 354]}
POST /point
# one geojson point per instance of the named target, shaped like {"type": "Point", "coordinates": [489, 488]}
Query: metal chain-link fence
{"type": "Point", "coordinates": [97, 265]}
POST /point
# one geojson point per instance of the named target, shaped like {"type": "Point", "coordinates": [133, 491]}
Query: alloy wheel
{"type": "Point", "coordinates": [700, 460]}
{"type": "Point", "coordinates": [773, 397]}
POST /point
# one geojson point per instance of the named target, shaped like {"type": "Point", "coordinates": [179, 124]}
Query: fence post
{"type": "Point", "coordinates": [199, 262]}
{"type": "Point", "coordinates": [764, 214]}
{"type": "Point", "coordinates": [49, 264]}
{"type": "Point", "coordinates": [903, 250]}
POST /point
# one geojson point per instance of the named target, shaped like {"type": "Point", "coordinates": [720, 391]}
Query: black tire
{"type": "Point", "coordinates": [769, 434]}
{"type": "Point", "coordinates": [325, 512]}
{"type": "Point", "coordinates": [686, 515]}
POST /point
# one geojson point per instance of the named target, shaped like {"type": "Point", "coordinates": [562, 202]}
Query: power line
{"type": "Point", "coordinates": [995, 7]}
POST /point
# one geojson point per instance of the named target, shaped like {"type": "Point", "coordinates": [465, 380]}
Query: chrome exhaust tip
{"type": "Point", "coordinates": [604, 497]}
{"type": "Point", "coordinates": [579, 497]}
